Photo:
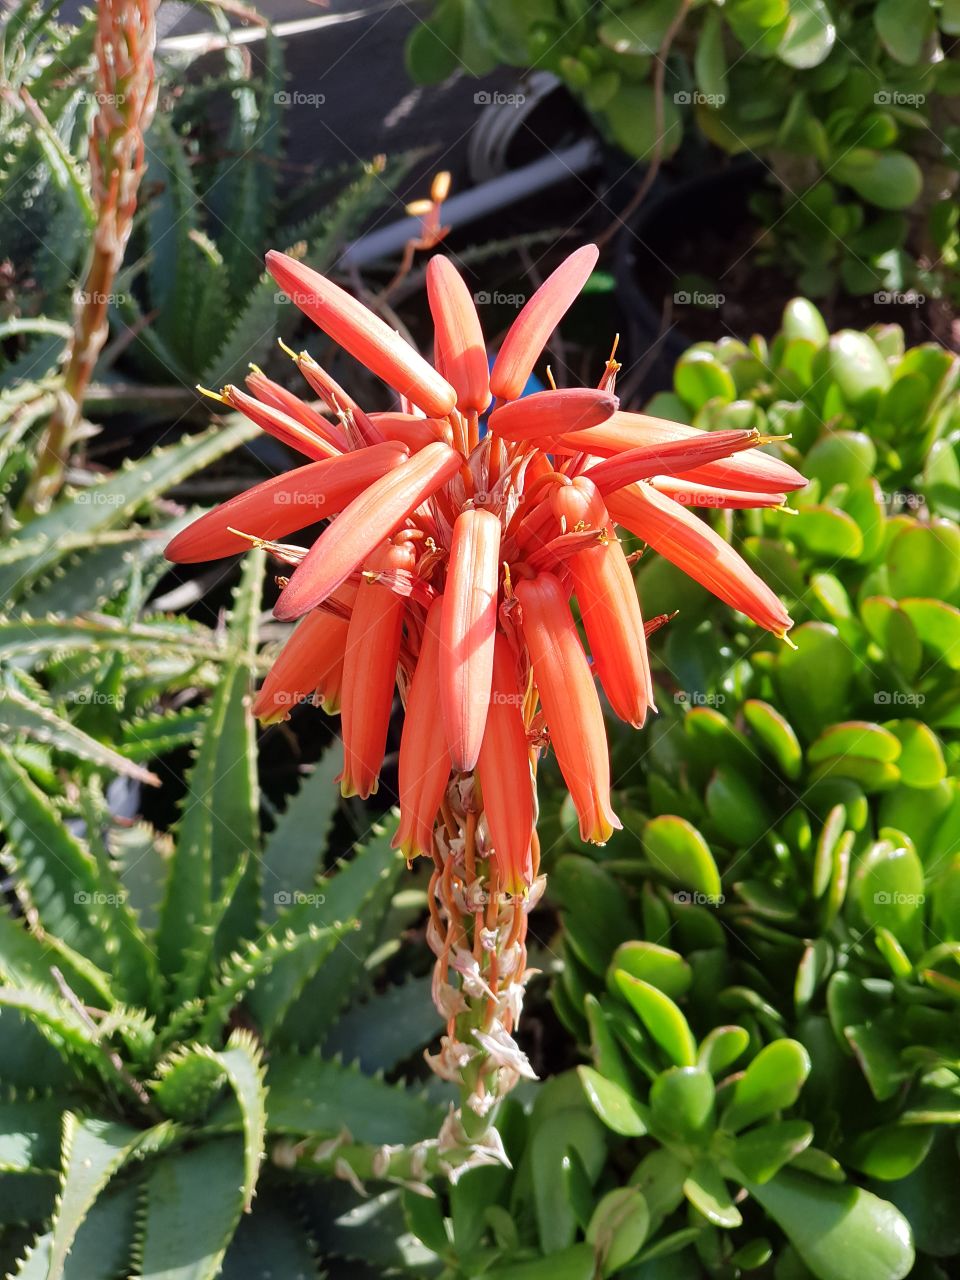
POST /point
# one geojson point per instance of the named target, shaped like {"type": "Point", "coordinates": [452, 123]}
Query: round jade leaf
{"type": "Point", "coordinates": [810, 35]}
{"type": "Point", "coordinates": [659, 966]}
{"type": "Point", "coordinates": [842, 457]}
{"type": "Point", "coordinates": [924, 560]}
{"type": "Point", "coordinates": [938, 626]}
{"type": "Point", "coordinates": [681, 1102]}
{"type": "Point", "coordinates": [814, 680]}
{"type": "Point", "coordinates": [825, 531]}
{"type": "Point", "coordinates": [617, 1108]}
{"type": "Point", "coordinates": [737, 808]}
{"type": "Point", "coordinates": [662, 1019]}
{"type": "Point", "coordinates": [856, 366]}
{"type": "Point", "coordinates": [888, 179]}
{"type": "Point", "coordinates": [618, 1228]}
{"type": "Point", "coordinates": [721, 1048]}
{"type": "Point", "coordinates": [776, 734]}
{"type": "Point", "coordinates": [699, 376]}
{"type": "Point", "coordinates": [856, 738]}
{"type": "Point", "coordinates": [772, 1082]}
{"type": "Point", "coordinates": [889, 885]}
{"type": "Point", "coordinates": [921, 761]}
{"type": "Point", "coordinates": [678, 850]}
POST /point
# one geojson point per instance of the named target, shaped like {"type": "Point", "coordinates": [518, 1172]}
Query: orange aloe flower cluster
{"type": "Point", "coordinates": [455, 562]}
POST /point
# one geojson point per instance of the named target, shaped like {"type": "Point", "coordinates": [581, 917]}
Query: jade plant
{"type": "Point", "coordinates": [173, 1019]}
{"type": "Point", "coordinates": [849, 105]}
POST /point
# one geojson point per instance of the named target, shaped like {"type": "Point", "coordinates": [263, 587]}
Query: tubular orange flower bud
{"type": "Point", "coordinates": [505, 778]}
{"type": "Point", "coordinates": [416, 433]}
{"type": "Point", "coordinates": [570, 702]}
{"type": "Point", "coordinates": [277, 423]}
{"type": "Point", "coordinates": [467, 626]}
{"type": "Point", "coordinates": [270, 392]}
{"type": "Point", "coordinates": [284, 503]}
{"type": "Point", "coordinates": [424, 754]}
{"type": "Point", "coordinates": [355, 328]}
{"type": "Point", "coordinates": [310, 663]}
{"type": "Point", "coordinates": [461, 351]}
{"type": "Point", "coordinates": [694, 547]}
{"type": "Point", "coordinates": [370, 670]}
{"type": "Point", "coordinates": [705, 495]}
{"type": "Point", "coordinates": [609, 607]}
{"type": "Point", "coordinates": [551, 413]}
{"type": "Point", "coordinates": [670, 458]}
{"type": "Point", "coordinates": [528, 334]}
{"type": "Point", "coordinates": [754, 470]}
{"type": "Point", "coordinates": [376, 513]}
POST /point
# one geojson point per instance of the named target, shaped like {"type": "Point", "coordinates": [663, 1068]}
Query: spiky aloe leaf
{"type": "Point", "coordinates": [66, 1030]}
{"type": "Point", "coordinates": [91, 578]}
{"type": "Point", "coordinates": [26, 1198]}
{"type": "Point", "coordinates": [28, 1060]}
{"type": "Point", "coordinates": [111, 502]}
{"type": "Point", "coordinates": [30, 1135]}
{"type": "Point", "coordinates": [21, 715]}
{"type": "Point", "coordinates": [46, 638]}
{"type": "Point", "coordinates": [142, 856]}
{"type": "Point", "coordinates": [27, 959]}
{"type": "Point", "coordinates": [188, 1082]}
{"type": "Point", "coordinates": [93, 1150]}
{"type": "Point", "coordinates": [220, 817]}
{"type": "Point", "coordinates": [171, 218]}
{"type": "Point", "coordinates": [311, 1096]}
{"type": "Point", "coordinates": [386, 1029]}
{"type": "Point", "coordinates": [55, 875]}
{"type": "Point", "coordinates": [246, 974]}
{"type": "Point", "coordinates": [361, 889]}
{"type": "Point", "coordinates": [270, 1241]}
{"type": "Point", "coordinates": [150, 736]}
{"type": "Point", "coordinates": [102, 1245]}
{"type": "Point", "coordinates": [194, 1200]}
{"type": "Point", "coordinates": [242, 1063]}
{"type": "Point", "coordinates": [292, 852]}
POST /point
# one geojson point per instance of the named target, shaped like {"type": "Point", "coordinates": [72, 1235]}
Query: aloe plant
{"type": "Point", "coordinates": [170, 1007]}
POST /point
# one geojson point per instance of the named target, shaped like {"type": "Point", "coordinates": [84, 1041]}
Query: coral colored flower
{"type": "Point", "coordinates": [700, 552]}
{"type": "Point", "coordinates": [377, 512]}
{"type": "Point", "coordinates": [269, 392]}
{"type": "Point", "coordinates": [284, 504]}
{"type": "Point", "coordinates": [370, 669]}
{"type": "Point", "coordinates": [310, 664]}
{"type": "Point", "coordinates": [755, 470]}
{"type": "Point", "coordinates": [504, 770]}
{"type": "Point", "coordinates": [609, 608]}
{"type": "Point", "coordinates": [277, 423]}
{"type": "Point", "coordinates": [461, 352]}
{"type": "Point", "coordinates": [424, 769]}
{"type": "Point", "coordinates": [363, 334]}
{"type": "Point", "coordinates": [467, 626]}
{"type": "Point", "coordinates": [550, 413]}
{"type": "Point", "coordinates": [453, 563]}
{"type": "Point", "coordinates": [570, 703]}
{"type": "Point", "coordinates": [532, 328]}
